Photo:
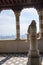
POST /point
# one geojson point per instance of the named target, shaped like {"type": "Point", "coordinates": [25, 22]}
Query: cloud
{"type": "Point", "coordinates": [8, 12]}
{"type": "Point", "coordinates": [7, 19]}
{"type": "Point", "coordinates": [7, 25]}
{"type": "Point", "coordinates": [7, 30]}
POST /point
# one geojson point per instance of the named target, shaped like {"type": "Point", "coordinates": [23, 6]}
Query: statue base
{"type": "Point", "coordinates": [34, 58]}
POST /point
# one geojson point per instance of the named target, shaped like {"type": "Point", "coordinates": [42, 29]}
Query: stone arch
{"type": "Point", "coordinates": [28, 17]}
{"type": "Point", "coordinates": [12, 21]}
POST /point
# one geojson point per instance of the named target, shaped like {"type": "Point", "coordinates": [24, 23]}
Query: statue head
{"type": "Point", "coordinates": [33, 24]}
{"type": "Point", "coordinates": [33, 27]}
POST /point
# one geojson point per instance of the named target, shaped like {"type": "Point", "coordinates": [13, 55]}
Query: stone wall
{"type": "Point", "coordinates": [13, 46]}
{"type": "Point", "coordinates": [9, 46]}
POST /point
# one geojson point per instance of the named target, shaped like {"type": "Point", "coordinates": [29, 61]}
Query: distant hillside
{"type": "Point", "coordinates": [24, 36]}
{"type": "Point", "coordinates": [8, 37]}
{"type": "Point", "coordinates": [13, 37]}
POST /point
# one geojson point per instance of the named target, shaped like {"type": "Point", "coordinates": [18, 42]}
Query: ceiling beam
{"type": "Point", "coordinates": [11, 1]}
{"type": "Point", "coordinates": [4, 2]}
{"type": "Point", "coordinates": [1, 2]}
{"type": "Point", "coordinates": [15, 2]}
{"type": "Point", "coordinates": [7, 1]}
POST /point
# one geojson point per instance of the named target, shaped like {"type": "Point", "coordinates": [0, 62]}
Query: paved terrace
{"type": "Point", "coordinates": [15, 59]}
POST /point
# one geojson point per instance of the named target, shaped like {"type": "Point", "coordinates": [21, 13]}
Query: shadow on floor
{"type": "Point", "coordinates": [7, 57]}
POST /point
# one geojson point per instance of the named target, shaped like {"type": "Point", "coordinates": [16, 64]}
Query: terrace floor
{"type": "Point", "coordinates": [15, 59]}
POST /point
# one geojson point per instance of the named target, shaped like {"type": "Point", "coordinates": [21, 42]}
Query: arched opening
{"type": "Point", "coordinates": [26, 17]}
{"type": "Point", "coordinates": [7, 25]}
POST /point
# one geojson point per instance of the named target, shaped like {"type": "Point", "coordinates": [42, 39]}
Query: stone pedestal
{"type": "Point", "coordinates": [33, 55]}
{"type": "Point", "coordinates": [34, 58]}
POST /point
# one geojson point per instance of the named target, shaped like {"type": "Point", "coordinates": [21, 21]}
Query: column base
{"type": "Point", "coordinates": [34, 59]}
{"type": "Point", "coordinates": [17, 39]}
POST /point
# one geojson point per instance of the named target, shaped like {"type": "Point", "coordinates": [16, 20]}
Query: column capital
{"type": "Point", "coordinates": [0, 10]}
{"type": "Point", "coordinates": [40, 12]}
{"type": "Point", "coordinates": [17, 13]}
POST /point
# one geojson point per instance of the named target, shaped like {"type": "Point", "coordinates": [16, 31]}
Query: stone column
{"type": "Point", "coordinates": [33, 56]}
{"type": "Point", "coordinates": [17, 13]}
{"type": "Point", "coordinates": [41, 22]}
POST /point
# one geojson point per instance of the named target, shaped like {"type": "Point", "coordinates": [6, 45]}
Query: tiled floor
{"type": "Point", "coordinates": [14, 59]}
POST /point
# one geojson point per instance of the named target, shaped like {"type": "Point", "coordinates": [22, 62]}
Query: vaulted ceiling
{"type": "Point", "coordinates": [19, 4]}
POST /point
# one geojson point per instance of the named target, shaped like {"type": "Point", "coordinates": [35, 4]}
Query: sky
{"type": "Point", "coordinates": [8, 21]}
